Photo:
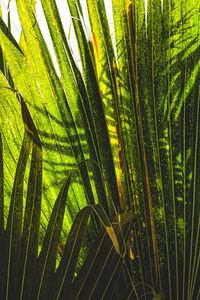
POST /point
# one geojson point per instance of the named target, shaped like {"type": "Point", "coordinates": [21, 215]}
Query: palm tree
{"type": "Point", "coordinates": [115, 140]}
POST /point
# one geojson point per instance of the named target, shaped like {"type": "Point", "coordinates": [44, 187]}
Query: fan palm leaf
{"type": "Point", "coordinates": [125, 123]}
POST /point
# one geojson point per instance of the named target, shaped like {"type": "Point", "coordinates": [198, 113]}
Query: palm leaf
{"type": "Point", "coordinates": [25, 273]}
{"type": "Point", "coordinates": [1, 212]}
{"type": "Point", "coordinates": [47, 259]}
{"type": "Point", "coordinates": [127, 119]}
{"type": "Point", "coordinates": [14, 222]}
{"type": "Point", "coordinates": [30, 234]}
{"type": "Point", "coordinates": [98, 277]}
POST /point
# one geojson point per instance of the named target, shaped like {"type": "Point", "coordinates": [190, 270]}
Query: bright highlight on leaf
{"type": "Point", "coordinates": [113, 238]}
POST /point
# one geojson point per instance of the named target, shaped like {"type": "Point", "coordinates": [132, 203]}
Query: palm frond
{"type": "Point", "coordinates": [24, 272]}
{"type": "Point", "coordinates": [127, 122]}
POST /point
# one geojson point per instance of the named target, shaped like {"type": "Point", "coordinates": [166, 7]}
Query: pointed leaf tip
{"type": "Point", "coordinates": [113, 237]}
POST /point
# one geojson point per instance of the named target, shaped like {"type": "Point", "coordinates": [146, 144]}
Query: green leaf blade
{"type": "Point", "coordinates": [95, 277]}
{"type": "Point", "coordinates": [30, 234]}
{"type": "Point", "coordinates": [14, 222]}
{"type": "Point", "coordinates": [46, 262]}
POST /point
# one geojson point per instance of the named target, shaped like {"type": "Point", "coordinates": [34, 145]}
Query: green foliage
{"type": "Point", "coordinates": [26, 272]}
{"type": "Point", "coordinates": [124, 131]}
